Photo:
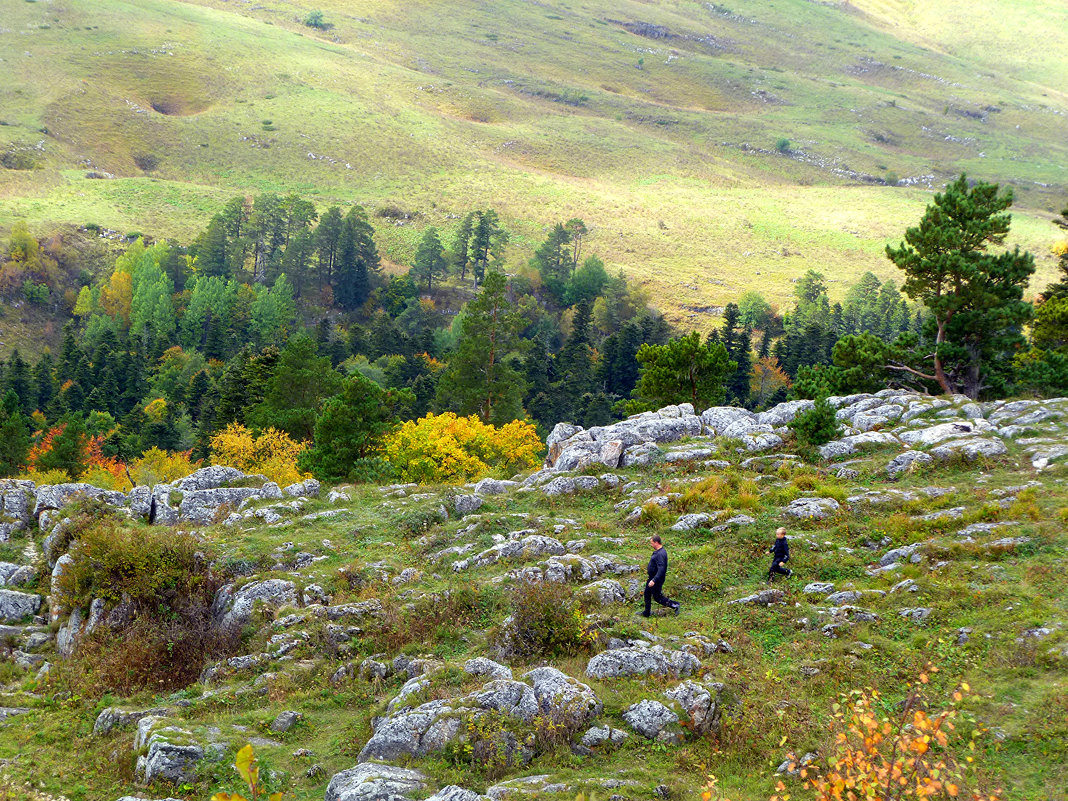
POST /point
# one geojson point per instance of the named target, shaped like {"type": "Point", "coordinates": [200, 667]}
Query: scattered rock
{"type": "Point", "coordinates": [371, 782]}
{"type": "Point", "coordinates": [653, 720]}
{"type": "Point", "coordinates": [656, 661]}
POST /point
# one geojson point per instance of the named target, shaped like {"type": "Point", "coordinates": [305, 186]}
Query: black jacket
{"type": "Point", "coordinates": [781, 549]}
{"type": "Point", "coordinates": [658, 566]}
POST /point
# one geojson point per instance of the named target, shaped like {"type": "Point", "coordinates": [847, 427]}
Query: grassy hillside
{"type": "Point", "coordinates": [987, 541]}
{"type": "Point", "coordinates": [657, 123]}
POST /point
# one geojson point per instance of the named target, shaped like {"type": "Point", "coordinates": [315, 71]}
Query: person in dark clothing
{"type": "Point", "coordinates": [780, 550]}
{"type": "Point", "coordinates": [657, 571]}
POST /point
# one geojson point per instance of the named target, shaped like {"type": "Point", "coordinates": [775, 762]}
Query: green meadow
{"type": "Point", "coordinates": [662, 125]}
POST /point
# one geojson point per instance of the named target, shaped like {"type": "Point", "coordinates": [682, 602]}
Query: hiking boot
{"type": "Point", "coordinates": [676, 609]}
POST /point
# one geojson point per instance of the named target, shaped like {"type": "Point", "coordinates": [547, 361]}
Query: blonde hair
{"type": "Point", "coordinates": [780, 531]}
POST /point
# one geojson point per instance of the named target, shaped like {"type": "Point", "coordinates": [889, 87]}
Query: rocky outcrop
{"type": "Point", "coordinates": [172, 755]}
{"type": "Point", "coordinates": [653, 720]}
{"type": "Point", "coordinates": [931, 429]}
{"type": "Point", "coordinates": [634, 661]}
{"type": "Point", "coordinates": [202, 497]}
{"type": "Point", "coordinates": [702, 704]}
{"type": "Point", "coordinates": [232, 609]}
{"type": "Point", "coordinates": [408, 731]}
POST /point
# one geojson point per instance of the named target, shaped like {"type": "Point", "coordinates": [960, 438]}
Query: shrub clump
{"type": "Point", "coordinates": [159, 591]}
{"type": "Point", "coordinates": [817, 426]}
{"type": "Point", "coordinates": [448, 448]}
{"type": "Point", "coordinates": [150, 569]}
{"type": "Point", "coordinates": [547, 621]}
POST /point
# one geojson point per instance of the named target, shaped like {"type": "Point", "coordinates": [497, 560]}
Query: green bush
{"type": "Point", "coordinates": [160, 584]}
{"type": "Point", "coordinates": [34, 292]}
{"type": "Point", "coordinates": [316, 20]}
{"type": "Point", "coordinates": [782, 145]}
{"type": "Point", "coordinates": [153, 570]}
{"type": "Point", "coordinates": [816, 426]}
{"type": "Point", "coordinates": [547, 621]}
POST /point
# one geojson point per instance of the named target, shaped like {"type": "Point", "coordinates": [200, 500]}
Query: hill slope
{"type": "Point", "coordinates": [657, 123]}
{"type": "Point", "coordinates": [358, 612]}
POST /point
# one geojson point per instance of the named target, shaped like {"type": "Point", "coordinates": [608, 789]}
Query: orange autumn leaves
{"type": "Point", "coordinates": [908, 757]}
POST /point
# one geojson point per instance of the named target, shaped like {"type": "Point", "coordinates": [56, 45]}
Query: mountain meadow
{"type": "Point", "coordinates": [580, 401]}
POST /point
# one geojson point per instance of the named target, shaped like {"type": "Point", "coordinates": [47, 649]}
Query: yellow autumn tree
{"type": "Point", "coordinates": [116, 296]}
{"type": "Point", "coordinates": [766, 378]}
{"type": "Point", "coordinates": [273, 453]}
{"type": "Point", "coordinates": [451, 449]}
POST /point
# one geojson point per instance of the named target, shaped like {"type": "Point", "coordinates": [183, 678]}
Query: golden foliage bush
{"type": "Point", "coordinates": [157, 466]}
{"type": "Point", "coordinates": [45, 477]}
{"type": "Point", "coordinates": [452, 449]}
{"type": "Point", "coordinates": [273, 453]}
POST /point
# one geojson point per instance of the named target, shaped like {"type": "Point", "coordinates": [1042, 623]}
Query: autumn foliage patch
{"type": "Point", "coordinates": [451, 449]}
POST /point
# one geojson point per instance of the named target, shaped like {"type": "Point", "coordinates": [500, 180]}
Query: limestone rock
{"type": "Point", "coordinates": [691, 521]}
{"type": "Point", "coordinates": [652, 719]}
{"type": "Point", "coordinates": [466, 504]}
{"type": "Point", "coordinates": [604, 592]}
{"type": "Point", "coordinates": [812, 508]}
{"type": "Point", "coordinates": [233, 609]}
{"type": "Point", "coordinates": [285, 721]}
{"type": "Point", "coordinates": [455, 793]}
{"type": "Point", "coordinates": [115, 718]}
{"type": "Point", "coordinates": [171, 755]}
{"type": "Point", "coordinates": [56, 496]}
{"type": "Point", "coordinates": [481, 666]}
{"type": "Point", "coordinates": [702, 704]}
{"type": "Point", "coordinates": [560, 696]}
{"type": "Point", "coordinates": [762, 598]}
{"type": "Point", "coordinates": [14, 605]}
{"type": "Point", "coordinates": [656, 661]}
{"type": "Point", "coordinates": [597, 736]}
{"type": "Point", "coordinates": [370, 782]}
{"type": "Point", "coordinates": [491, 486]}
{"type": "Point", "coordinates": [211, 477]}
{"type": "Point", "coordinates": [970, 449]}
{"type": "Point", "coordinates": [907, 462]}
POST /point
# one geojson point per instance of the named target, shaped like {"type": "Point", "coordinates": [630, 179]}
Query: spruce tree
{"type": "Point", "coordinates": [350, 431]}
{"type": "Point", "coordinates": [300, 383]}
{"type": "Point", "coordinates": [481, 378]}
{"type": "Point", "coordinates": [429, 263]}
{"type": "Point", "coordinates": [14, 436]}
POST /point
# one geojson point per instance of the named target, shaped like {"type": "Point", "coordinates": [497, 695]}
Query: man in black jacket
{"type": "Point", "coordinates": [780, 550]}
{"type": "Point", "coordinates": [657, 573]}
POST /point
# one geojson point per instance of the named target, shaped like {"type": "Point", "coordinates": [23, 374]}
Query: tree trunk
{"type": "Point", "coordinates": [972, 379]}
{"type": "Point", "coordinates": [940, 373]}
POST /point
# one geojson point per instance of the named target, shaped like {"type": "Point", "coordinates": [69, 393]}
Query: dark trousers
{"type": "Point", "coordinates": [777, 567]}
{"type": "Point", "coordinates": [655, 593]}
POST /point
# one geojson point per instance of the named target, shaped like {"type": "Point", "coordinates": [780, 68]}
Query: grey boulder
{"type": "Point", "coordinates": [653, 720]}
{"type": "Point", "coordinates": [233, 609]}
{"type": "Point", "coordinates": [14, 605]}
{"type": "Point", "coordinates": [656, 661]}
{"type": "Point", "coordinates": [811, 508]}
{"type": "Point", "coordinates": [702, 704]}
{"type": "Point", "coordinates": [370, 782]}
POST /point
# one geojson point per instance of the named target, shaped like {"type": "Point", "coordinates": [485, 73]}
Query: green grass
{"type": "Point", "coordinates": [1019, 687]}
{"type": "Point", "coordinates": [440, 108]}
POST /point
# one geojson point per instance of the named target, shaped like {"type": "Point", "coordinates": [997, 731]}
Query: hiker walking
{"type": "Point", "coordinates": [780, 550]}
{"type": "Point", "coordinates": [658, 563]}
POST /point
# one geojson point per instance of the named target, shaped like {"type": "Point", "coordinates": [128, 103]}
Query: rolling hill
{"type": "Point", "coordinates": [711, 148]}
